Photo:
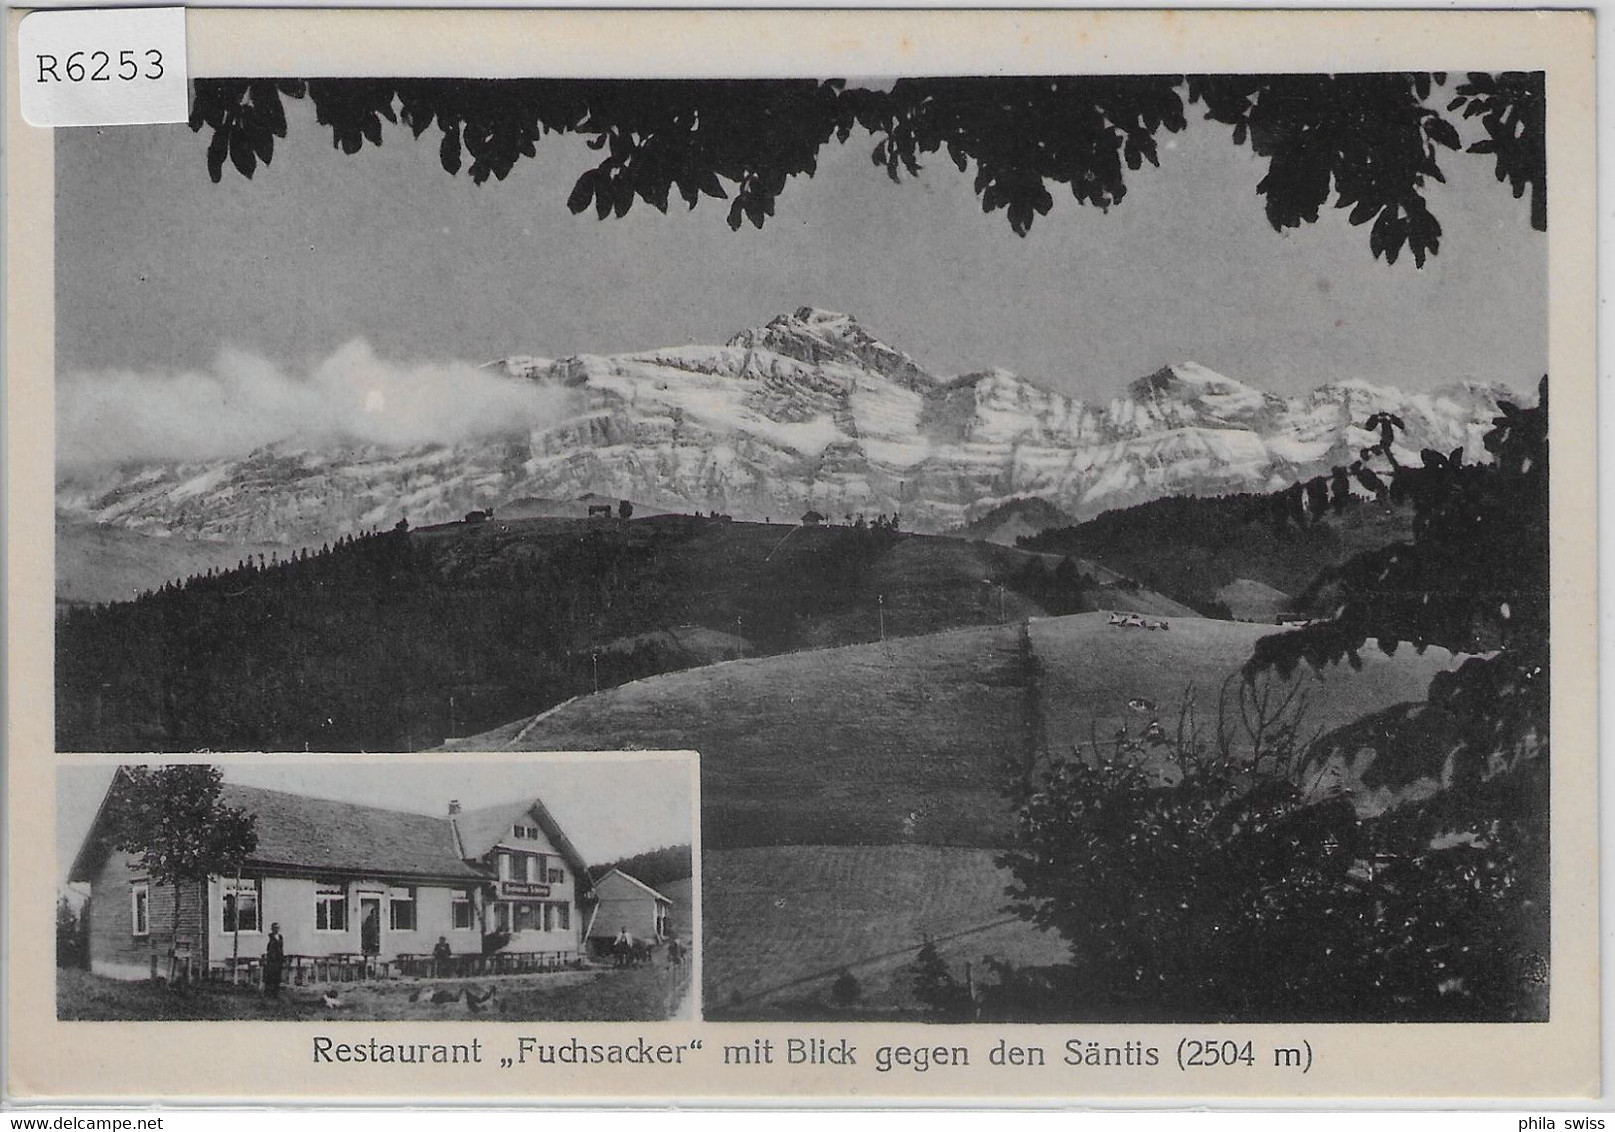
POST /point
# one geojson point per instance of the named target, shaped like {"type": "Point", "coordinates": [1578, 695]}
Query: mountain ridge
{"type": "Point", "coordinates": [807, 411]}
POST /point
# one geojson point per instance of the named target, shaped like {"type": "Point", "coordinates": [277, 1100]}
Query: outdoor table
{"type": "Point", "coordinates": [345, 961]}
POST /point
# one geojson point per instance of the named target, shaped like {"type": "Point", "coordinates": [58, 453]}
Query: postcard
{"type": "Point", "coordinates": [726, 556]}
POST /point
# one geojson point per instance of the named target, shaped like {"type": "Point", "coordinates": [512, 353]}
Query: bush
{"type": "Point", "coordinates": [845, 990]}
{"type": "Point", "coordinates": [1219, 899]}
{"type": "Point", "coordinates": [935, 986]}
{"type": "Point", "coordinates": [72, 935]}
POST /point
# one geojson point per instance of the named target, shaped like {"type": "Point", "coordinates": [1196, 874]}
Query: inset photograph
{"type": "Point", "coordinates": [545, 889]}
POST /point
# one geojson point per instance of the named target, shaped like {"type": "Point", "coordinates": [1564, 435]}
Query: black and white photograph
{"type": "Point", "coordinates": [543, 890]}
{"type": "Point", "coordinates": [1093, 528]}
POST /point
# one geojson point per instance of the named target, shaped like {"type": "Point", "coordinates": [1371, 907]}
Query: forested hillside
{"type": "Point", "coordinates": [1190, 548]}
{"type": "Point", "coordinates": [401, 639]}
{"type": "Point", "coordinates": [654, 866]}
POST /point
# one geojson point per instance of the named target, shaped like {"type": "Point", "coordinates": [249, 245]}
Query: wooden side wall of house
{"type": "Point", "coordinates": [624, 904]}
{"type": "Point", "coordinates": [115, 950]}
{"type": "Point", "coordinates": [637, 914]}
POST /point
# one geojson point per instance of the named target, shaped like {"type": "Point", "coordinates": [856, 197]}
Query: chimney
{"type": "Point", "coordinates": [454, 807]}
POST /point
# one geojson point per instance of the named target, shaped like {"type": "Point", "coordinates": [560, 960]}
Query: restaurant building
{"type": "Point", "coordinates": [346, 880]}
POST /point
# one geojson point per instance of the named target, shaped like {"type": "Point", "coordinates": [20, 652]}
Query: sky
{"type": "Point", "coordinates": [171, 288]}
{"type": "Point", "coordinates": [610, 806]}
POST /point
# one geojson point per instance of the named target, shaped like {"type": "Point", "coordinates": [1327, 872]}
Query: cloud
{"type": "Point", "coordinates": [245, 402]}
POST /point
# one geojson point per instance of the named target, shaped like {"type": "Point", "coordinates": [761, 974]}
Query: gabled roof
{"type": "Point", "coordinates": [635, 881]}
{"type": "Point", "coordinates": [298, 833]}
{"type": "Point", "coordinates": [480, 830]}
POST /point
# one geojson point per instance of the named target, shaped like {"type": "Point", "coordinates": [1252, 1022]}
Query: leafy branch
{"type": "Point", "coordinates": [1370, 143]}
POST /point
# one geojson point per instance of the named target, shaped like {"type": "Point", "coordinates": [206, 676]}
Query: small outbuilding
{"type": "Point", "coordinates": [811, 518]}
{"type": "Point", "coordinates": [622, 902]}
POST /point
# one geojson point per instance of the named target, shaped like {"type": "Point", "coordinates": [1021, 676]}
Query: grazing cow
{"type": "Point", "coordinates": [1156, 624]}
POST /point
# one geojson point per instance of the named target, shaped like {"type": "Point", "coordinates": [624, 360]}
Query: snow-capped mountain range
{"type": "Point", "coordinates": [808, 411]}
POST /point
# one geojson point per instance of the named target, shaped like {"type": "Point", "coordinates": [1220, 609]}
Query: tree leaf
{"type": "Point", "coordinates": [241, 155]}
{"type": "Point", "coordinates": [1442, 132]}
{"type": "Point", "coordinates": [216, 152]}
{"type": "Point", "coordinates": [448, 150]}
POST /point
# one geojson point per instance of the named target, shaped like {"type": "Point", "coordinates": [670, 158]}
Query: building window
{"type": "Point", "coordinates": [140, 908]}
{"type": "Point", "coordinates": [535, 870]}
{"type": "Point", "coordinates": [501, 918]}
{"type": "Point", "coordinates": [527, 918]}
{"type": "Point", "coordinates": [330, 910]}
{"type": "Point", "coordinates": [521, 833]}
{"type": "Point", "coordinates": [240, 906]}
{"type": "Point", "coordinates": [549, 917]}
{"type": "Point", "coordinates": [557, 876]}
{"type": "Point", "coordinates": [563, 917]}
{"type": "Point", "coordinates": [527, 832]}
{"type": "Point", "coordinates": [461, 914]}
{"type": "Point", "coordinates": [504, 866]}
{"type": "Point", "coordinates": [401, 910]}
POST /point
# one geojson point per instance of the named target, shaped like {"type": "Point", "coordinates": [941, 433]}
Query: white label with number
{"type": "Point", "coordinates": [103, 67]}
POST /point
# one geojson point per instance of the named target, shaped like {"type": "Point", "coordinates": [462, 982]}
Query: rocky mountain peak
{"type": "Point", "coordinates": [1187, 391]}
{"type": "Point", "coordinates": [823, 337]}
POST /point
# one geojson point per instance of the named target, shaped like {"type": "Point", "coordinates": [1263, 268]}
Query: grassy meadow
{"type": "Point", "coordinates": [783, 922]}
{"type": "Point", "coordinates": [910, 741]}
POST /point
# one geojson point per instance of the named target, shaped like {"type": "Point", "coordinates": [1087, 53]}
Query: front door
{"type": "Point", "coordinates": [370, 925]}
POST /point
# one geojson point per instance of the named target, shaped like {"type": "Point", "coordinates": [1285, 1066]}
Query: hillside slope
{"type": "Point", "coordinates": [1016, 519]}
{"type": "Point", "coordinates": [909, 741]}
{"type": "Point", "coordinates": [99, 563]}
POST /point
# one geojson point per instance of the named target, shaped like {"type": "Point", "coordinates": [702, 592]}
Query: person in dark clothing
{"type": "Point", "coordinates": [274, 960]}
{"type": "Point", "coordinates": [441, 954]}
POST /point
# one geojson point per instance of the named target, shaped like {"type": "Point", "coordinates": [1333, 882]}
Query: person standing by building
{"type": "Point", "coordinates": [274, 959]}
{"type": "Point", "coordinates": [441, 954]}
